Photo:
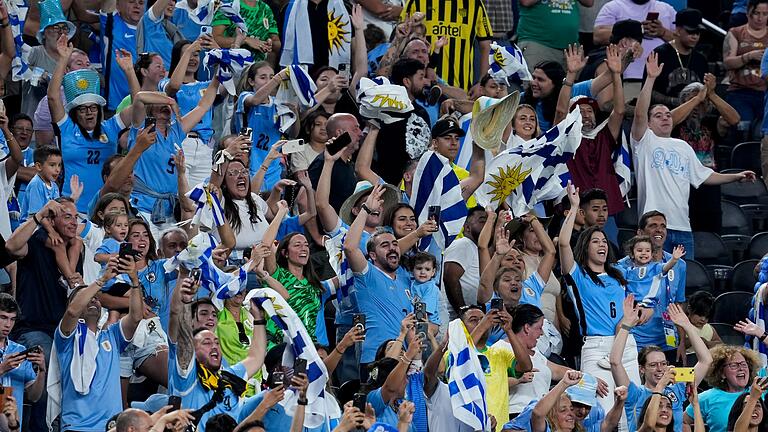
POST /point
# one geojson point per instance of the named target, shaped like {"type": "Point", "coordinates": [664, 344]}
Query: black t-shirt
{"type": "Point", "coordinates": [42, 298]}
{"type": "Point", "coordinates": [674, 76]}
{"type": "Point", "coordinates": [594, 60]}
{"type": "Point", "coordinates": [343, 179]}
{"type": "Point", "coordinates": [391, 144]}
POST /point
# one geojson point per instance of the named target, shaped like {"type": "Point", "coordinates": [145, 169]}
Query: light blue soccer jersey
{"type": "Point", "coordinates": [599, 308]}
{"type": "Point", "coordinates": [123, 37]}
{"type": "Point", "coordinates": [158, 287]}
{"type": "Point", "coordinates": [188, 97]}
{"type": "Point", "coordinates": [155, 37]}
{"type": "Point", "coordinates": [18, 378]}
{"type": "Point", "coordinates": [155, 167]}
{"type": "Point", "coordinates": [37, 195]}
{"type": "Point", "coordinates": [262, 119]}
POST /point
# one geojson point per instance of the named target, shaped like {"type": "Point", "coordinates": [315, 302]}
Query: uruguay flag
{"type": "Point", "coordinates": [299, 345]}
{"type": "Point", "coordinates": [466, 379]}
{"type": "Point", "coordinates": [436, 184]}
{"type": "Point", "coordinates": [338, 261]}
{"type": "Point", "coordinates": [230, 61]}
{"type": "Point", "coordinates": [209, 213]}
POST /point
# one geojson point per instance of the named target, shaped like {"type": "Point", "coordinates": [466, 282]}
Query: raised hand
{"type": "Point", "coordinates": [124, 59]}
{"type": "Point", "coordinates": [571, 378]}
{"type": "Point", "coordinates": [748, 328]}
{"type": "Point", "coordinates": [375, 200]}
{"type": "Point", "coordinates": [574, 58]}
{"type": "Point", "coordinates": [652, 65]}
{"type": "Point", "coordinates": [613, 59]}
{"type": "Point", "coordinates": [357, 18]}
{"type": "Point", "coordinates": [710, 82]}
{"type": "Point", "coordinates": [63, 47]}
{"type": "Point", "coordinates": [759, 386]}
{"type": "Point", "coordinates": [573, 196]}
{"type": "Point", "coordinates": [631, 311]}
{"type": "Point", "coordinates": [678, 252]}
{"type": "Point", "coordinates": [503, 244]}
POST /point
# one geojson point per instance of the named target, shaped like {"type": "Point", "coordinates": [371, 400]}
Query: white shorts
{"type": "Point", "coordinates": [198, 160]}
{"type": "Point", "coordinates": [148, 339]}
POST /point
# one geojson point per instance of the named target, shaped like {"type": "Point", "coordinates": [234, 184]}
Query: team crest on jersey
{"type": "Point", "coordinates": [671, 275]}
{"type": "Point", "coordinates": [266, 23]}
{"type": "Point", "coordinates": [107, 346]}
{"type": "Point", "coordinates": [103, 139]}
{"type": "Point", "coordinates": [463, 12]}
{"type": "Point", "coordinates": [641, 272]}
{"type": "Point", "coordinates": [151, 277]}
{"type": "Point", "coordinates": [672, 396]}
{"type": "Point", "coordinates": [530, 292]}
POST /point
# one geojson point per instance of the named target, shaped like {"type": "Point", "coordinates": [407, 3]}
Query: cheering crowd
{"type": "Point", "coordinates": [383, 215]}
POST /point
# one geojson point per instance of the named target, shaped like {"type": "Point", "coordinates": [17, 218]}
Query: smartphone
{"type": "Point", "coordinates": [359, 320]}
{"type": "Point", "coordinates": [247, 254]}
{"type": "Point", "coordinates": [175, 403]}
{"type": "Point", "coordinates": [344, 70]}
{"type": "Point", "coordinates": [420, 310]}
{"type": "Point", "coordinates": [497, 303]}
{"type": "Point", "coordinates": [339, 143]}
{"type": "Point", "coordinates": [684, 374]}
{"type": "Point", "coordinates": [293, 146]}
{"type": "Point", "coordinates": [126, 250]}
{"type": "Point", "coordinates": [150, 122]}
{"type": "Point", "coordinates": [359, 401]}
{"type": "Point", "coordinates": [34, 349]}
{"type": "Point", "coordinates": [433, 213]}
{"type": "Point", "coordinates": [196, 274]}
{"type": "Point", "coordinates": [246, 132]}
{"type": "Point", "coordinates": [2, 107]}
{"type": "Point", "coordinates": [276, 378]}
{"type": "Point", "coordinates": [290, 193]}
{"type": "Point", "coordinates": [652, 16]}
{"type": "Point", "coordinates": [299, 366]}
{"type": "Point", "coordinates": [205, 30]}
{"type": "Point", "coordinates": [422, 332]}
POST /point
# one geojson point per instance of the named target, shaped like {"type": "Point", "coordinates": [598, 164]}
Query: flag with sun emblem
{"type": "Point", "coordinates": [506, 62]}
{"type": "Point", "coordinates": [526, 176]}
{"type": "Point", "coordinates": [297, 40]}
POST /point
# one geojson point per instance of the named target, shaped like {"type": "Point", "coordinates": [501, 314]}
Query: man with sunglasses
{"type": "Point", "coordinates": [682, 63]}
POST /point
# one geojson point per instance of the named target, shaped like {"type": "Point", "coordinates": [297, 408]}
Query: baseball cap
{"type": "Point", "coordinates": [627, 29]}
{"type": "Point", "coordinates": [689, 19]}
{"type": "Point", "coordinates": [445, 126]}
{"type": "Point", "coordinates": [584, 392]}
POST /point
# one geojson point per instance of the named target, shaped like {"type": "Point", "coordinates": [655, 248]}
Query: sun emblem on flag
{"type": "Point", "coordinates": [337, 36]}
{"type": "Point", "coordinates": [505, 182]}
{"type": "Point", "coordinates": [82, 84]}
{"type": "Point", "coordinates": [498, 57]}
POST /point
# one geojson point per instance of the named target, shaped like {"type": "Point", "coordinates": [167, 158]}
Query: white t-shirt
{"type": "Point", "coordinates": [522, 394]}
{"type": "Point", "coordinates": [251, 233]}
{"type": "Point", "coordinates": [440, 412]}
{"type": "Point", "coordinates": [666, 168]}
{"type": "Point", "coordinates": [6, 189]}
{"type": "Point", "coordinates": [464, 253]}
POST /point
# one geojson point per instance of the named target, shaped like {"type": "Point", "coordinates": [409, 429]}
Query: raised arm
{"type": "Point", "coordinates": [192, 118]}
{"type": "Point", "coordinates": [547, 262]}
{"type": "Point", "coordinates": [124, 168]}
{"type": "Point", "coordinates": [677, 253]}
{"type": "Point", "coordinates": [394, 382]}
{"type": "Point", "coordinates": [258, 178]}
{"type": "Point", "coordinates": [16, 245]}
{"type": "Point", "coordinates": [630, 319]}
{"type": "Point", "coordinates": [55, 103]}
{"type": "Point", "coordinates": [681, 112]}
{"type": "Point", "coordinates": [704, 357]}
{"type": "Point", "coordinates": [16, 158]}
{"type": "Point", "coordinates": [138, 112]}
{"type": "Point", "coordinates": [485, 237]}
{"type": "Point", "coordinates": [359, 50]}
{"type": "Point", "coordinates": [575, 62]}
{"type": "Point", "coordinates": [124, 59]}
{"type": "Point", "coordinates": [257, 350]}
{"type": "Point", "coordinates": [523, 361]}
{"type": "Point", "coordinates": [357, 261]}
{"type": "Point", "coordinates": [130, 322]}
{"type": "Point", "coordinates": [640, 122]}
{"type": "Point", "coordinates": [759, 386]}
{"type": "Point", "coordinates": [365, 156]}
{"type": "Point", "coordinates": [476, 173]}
{"type": "Point", "coordinates": [550, 400]}
{"type": "Point", "coordinates": [81, 299]}
{"type": "Point", "coordinates": [613, 416]}
{"type": "Point", "coordinates": [180, 322]}
{"type": "Point", "coordinates": [431, 368]}
{"type": "Point", "coordinates": [613, 61]}
{"type": "Point", "coordinates": [270, 263]}
{"type": "Point", "coordinates": [652, 413]}
{"type": "Point", "coordinates": [327, 214]}
{"type": "Point", "coordinates": [503, 246]}
{"type": "Point", "coordinates": [564, 238]}
{"type": "Point", "coordinates": [177, 77]}
{"type": "Point", "coordinates": [730, 115]}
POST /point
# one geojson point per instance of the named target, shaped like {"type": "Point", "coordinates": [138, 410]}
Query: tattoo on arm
{"type": "Point", "coordinates": [185, 348]}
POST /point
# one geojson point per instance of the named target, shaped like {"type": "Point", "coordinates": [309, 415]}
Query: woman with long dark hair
{"type": "Point", "coordinates": [748, 413]}
{"type": "Point", "coordinates": [597, 288]}
{"type": "Point", "coordinates": [544, 91]}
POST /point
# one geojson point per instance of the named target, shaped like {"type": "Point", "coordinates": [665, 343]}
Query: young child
{"type": "Point", "coordinates": [644, 277]}
{"type": "Point", "coordinates": [115, 230]}
{"type": "Point", "coordinates": [699, 308]}
{"type": "Point", "coordinates": [423, 284]}
{"type": "Point", "coordinates": [42, 188]}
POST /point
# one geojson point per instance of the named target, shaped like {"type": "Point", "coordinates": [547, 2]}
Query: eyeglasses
{"type": "Point", "coordinates": [82, 109]}
{"type": "Point", "coordinates": [657, 365]}
{"type": "Point", "coordinates": [737, 365]}
{"type": "Point", "coordinates": [234, 172]}
{"type": "Point", "coordinates": [23, 129]}
{"type": "Point", "coordinates": [62, 28]}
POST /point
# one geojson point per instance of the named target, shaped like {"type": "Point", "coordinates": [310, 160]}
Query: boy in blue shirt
{"type": "Point", "coordinates": [424, 285]}
{"type": "Point", "coordinates": [42, 188]}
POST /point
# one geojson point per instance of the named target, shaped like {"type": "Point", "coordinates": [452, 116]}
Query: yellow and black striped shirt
{"type": "Point", "coordinates": [462, 22]}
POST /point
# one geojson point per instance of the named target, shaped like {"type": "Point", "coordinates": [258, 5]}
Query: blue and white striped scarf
{"type": "Point", "coordinates": [209, 213]}
{"type": "Point", "coordinates": [466, 379]}
{"type": "Point", "coordinates": [17, 12]}
{"type": "Point", "coordinates": [230, 61]}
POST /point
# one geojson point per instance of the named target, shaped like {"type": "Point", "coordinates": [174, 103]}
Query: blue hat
{"type": "Point", "coordinates": [82, 87]}
{"type": "Point", "coordinates": [51, 14]}
{"type": "Point", "coordinates": [153, 403]}
{"type": "Point", "coordinates": [584, 392]}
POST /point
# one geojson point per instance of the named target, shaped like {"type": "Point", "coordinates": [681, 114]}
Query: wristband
{"type": "Point", "coordinates": [363, 206]}
{"type": "Point", "coordinates": [34, 218]}
{"type": "Point", "coordinates": [302, 402]}
{"type": "Point", "coordinates": [626, 327]}
{"type": "Point", "coordinates": [337, 350]}
{"type": "Point", "coordinates": [136, 286]}
{"type": "Point", "coordinates": [765, 335]}
{"type": "Point", "coordinates": [4, 26]}
{"type": "Point", "coordinates": [567, 83]}
{"type": "Point", "coordinates": [259, 322]}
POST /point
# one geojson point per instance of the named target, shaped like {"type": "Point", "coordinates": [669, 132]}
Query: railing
{"type": "Point", "coordinates": [714, 27]}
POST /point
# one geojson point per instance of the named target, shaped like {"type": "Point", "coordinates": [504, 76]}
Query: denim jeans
{"type": "Point", "coordinates": [750, 106]}
{"type": "Point", "coordinates": [34, 416]}
{"type": "Point", "coordinates": [685, 238]}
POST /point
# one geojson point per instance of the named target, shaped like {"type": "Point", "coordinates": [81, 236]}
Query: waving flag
{"type": "Point", "coordinates": [202, 14]}
{"type": "Point", "coordinates": [466, 379]}
{"type": "Point", "coordinates": [622, 165]}
{"type": "Point", "coordinates": [299, 345]}
{"type": "Point", "coordinates": [435, 184]}
{"type": "Point", "coordinates": [506, 62]}
{"type": "Point", "coordinates": [464, 156]}
{"type": "Point", "coordinates": [17, 14]}
{"type": "Point", "coordinates": [230, 62]}
{"type": "Point", "coordinates": [299, 90]}
{"type": "Point", "coordinates": [379, 99]}
{"type": "Point", "coordinates": [198, 254]}
{"type": "Point", "coordinates": [209, 213]}
{"type": "Point", "coordinates": [338, 261]}
{"type": "Point", "coordinates": [297, 39]}
{"type": "Point", "coordinates": [524, 176]}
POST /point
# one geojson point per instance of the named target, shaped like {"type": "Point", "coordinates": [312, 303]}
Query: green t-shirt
{"type": "Point", "coordinates": [304, 300]}
{"type": "Point", "coordinates": [125, 103]}
{"type": "Point", "coordinates": [258, 18]}
{"type": "Point", "coordinates": [538, 21]}
{"type": "Point", "coordinates": [229, 337]}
